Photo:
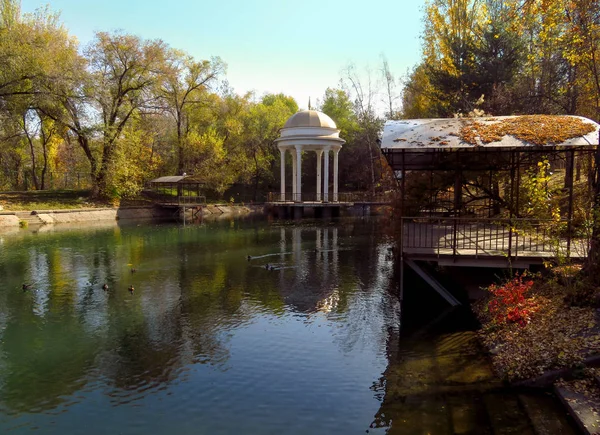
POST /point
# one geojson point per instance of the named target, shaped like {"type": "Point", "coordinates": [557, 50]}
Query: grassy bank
{"type": "Point", "coordinates": [57, 200]}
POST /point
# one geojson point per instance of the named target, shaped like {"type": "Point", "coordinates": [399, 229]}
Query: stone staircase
{"type": "Point", "coordinates": [582, 401]}
{"type": "Point", "coordinates": [29, 217]}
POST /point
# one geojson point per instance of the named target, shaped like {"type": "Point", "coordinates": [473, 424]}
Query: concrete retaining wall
{"type": "Point", "coordinates": [49, 217]}
{"type": "Point", "coordinates": [87, 215]}
{"type": "Point", "coordinates": [218, 209]}
{"type": "Point", "coordinates": [9, 220]}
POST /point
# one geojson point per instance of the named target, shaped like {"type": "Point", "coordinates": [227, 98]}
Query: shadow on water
{"type": "Point", "coordinates": [440, 381]}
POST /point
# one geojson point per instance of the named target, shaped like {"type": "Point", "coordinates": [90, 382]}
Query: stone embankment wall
{"type": "Point", "coordinates": [13, 219]}
{"type": "Point", "coordinates": [9, 220]}
{"type": "Point", "coordinates": [219, 209]}
{"type": "Point", "coordinates": [90, 215]}
{"type": "Point", "coordinates": [49, 217]}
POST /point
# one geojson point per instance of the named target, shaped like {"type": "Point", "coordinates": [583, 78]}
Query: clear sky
{"type": "Point", "coordinates": [296, 47]}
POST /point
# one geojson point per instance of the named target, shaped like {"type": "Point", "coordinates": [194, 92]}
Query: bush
{"type": "Point", "coordinates": [509, 304]}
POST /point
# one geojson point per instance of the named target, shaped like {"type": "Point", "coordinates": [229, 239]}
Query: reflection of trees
{"type": "Point", "coordinates": [67, 331]}
{"type": "Point", "coordinates": [40, 362]}
{"type": "Point", "coordinates": [193, 285]}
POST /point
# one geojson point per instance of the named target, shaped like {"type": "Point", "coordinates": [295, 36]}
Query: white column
{"type": "Point", "coordinates": [319, 177]}
{"type": "Point", "coordinates": [282, 151]}
{"type": "Point", "coordinates": [298, 173]}
{"type": "Point", "coordinates": [335, 175]}
{"type": "Point", "coordinates": [294, 188]}
{"type": "Point", "coordinates": [326, 177]}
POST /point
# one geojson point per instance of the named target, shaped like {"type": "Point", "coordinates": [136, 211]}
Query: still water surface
{"type": "Point", "coordinates": [307, 336]}
{"type": "Point", "coordinates": [209, 342]}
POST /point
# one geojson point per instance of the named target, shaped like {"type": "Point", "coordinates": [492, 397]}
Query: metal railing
{"type": "Point", "coordinates": [342, 197]}
{"type": "Point", "coordinates": [191, 200]}
{"type": "Point", "coordinates": [510, 238]}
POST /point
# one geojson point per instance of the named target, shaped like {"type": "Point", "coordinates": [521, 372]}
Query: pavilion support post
{"type": "Point", "coordinates": [298, 174]}
{"type": "Point", "coordinates": [294, 170]}
{"type": "Point", "coordinates": [319, 175]}
{"type": "Point", "coordinates": [569, 179]}
{"type": "Point", "coordinates": [457, 193]}
{"type": "Point", "coordinates": [403, 187]}
{"type": "Point", "coordinates": [402, 213]}
{"type": "Point", "coordinates": [570, 164]}
{"type": "Point", "coordinates": [282, 151]}
{"type": "Point", "coordinates": [517, 202]}
{"type": "Point", "coordinates": [326, 177]}
{"type": "Point", "coordinates": [457, 206]}
{"type": "Point", "coordinates": [335, 174]}
{"type": "Point", "coordinates": [512, 203]}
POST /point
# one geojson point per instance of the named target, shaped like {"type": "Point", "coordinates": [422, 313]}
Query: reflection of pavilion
{"type": "Point", "coordinates": [315, 282]}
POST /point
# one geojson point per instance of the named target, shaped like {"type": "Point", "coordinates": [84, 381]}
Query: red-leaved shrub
{"type": "Point", "coordinates": [509, 303]}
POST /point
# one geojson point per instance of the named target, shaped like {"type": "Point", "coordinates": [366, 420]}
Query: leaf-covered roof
{"type": "Point", "coordinates": [502, 131]}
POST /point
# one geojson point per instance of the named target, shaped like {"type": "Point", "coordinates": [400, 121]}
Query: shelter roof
{"type": "Point", "coordinates": [500, 131]}
{"type": "Point", "coordinates": [180, 179]}
{"type": "Point", "coordinates": [168, 179]}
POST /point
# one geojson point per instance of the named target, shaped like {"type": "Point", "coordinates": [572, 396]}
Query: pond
{"type": "Point", "coordinates": [241, 326]}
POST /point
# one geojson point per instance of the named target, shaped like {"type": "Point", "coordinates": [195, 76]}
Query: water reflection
{"type": "Point", "coordinates": [203, 315]}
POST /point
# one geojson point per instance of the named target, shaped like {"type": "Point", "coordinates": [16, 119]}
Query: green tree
{"type": "Point", "coordinates": [261, 126]}
{"type": "Point", "coordinates": [123, 71]}
{"type": "Point", "coordinates": [186, 82]}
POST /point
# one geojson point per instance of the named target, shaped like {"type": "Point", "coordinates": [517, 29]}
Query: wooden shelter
{"type": "Point", "coordinates": [468, 186]}
{"type": "Point", "coordinates": [177, 190]}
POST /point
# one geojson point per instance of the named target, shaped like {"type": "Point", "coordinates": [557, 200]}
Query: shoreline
{"type": "Point", "coordinates": [15, 219]}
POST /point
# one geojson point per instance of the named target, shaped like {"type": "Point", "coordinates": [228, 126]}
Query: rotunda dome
{"type": "Point", "coordinates": [310, 118]}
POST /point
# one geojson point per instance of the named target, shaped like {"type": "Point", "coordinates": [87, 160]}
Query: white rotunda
{"type": "Point", "coordinates": [310, 130]}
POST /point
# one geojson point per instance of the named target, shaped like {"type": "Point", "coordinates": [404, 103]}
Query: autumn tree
{"type": "Point", "coordinates": [363, 91]}
{"type": "Point", "coordinates": [261, 125]}
{"type": "Point", "coordinates": [186, 82]}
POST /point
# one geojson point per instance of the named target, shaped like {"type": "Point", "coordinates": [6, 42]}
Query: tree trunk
{"type": "Point", "coordinates": [180, 150]}
{"type": "Point", "coordinates": [371, 163]}
{"type": "Point", "coordinates": [256, 176]}
{"type": "Point", "coordinates": [44, 169]}
{"type": "Point", "coordinates": [102, 176]}
{"type": "Point", "coordinates": [85, 145]}
{"type": "Point", "coordinates": [32, 152]}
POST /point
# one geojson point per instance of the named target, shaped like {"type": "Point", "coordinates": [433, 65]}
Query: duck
{"type": "Point", "coordinates": [131, 289]}
{"type": "Point", "coordinates": [133, 270]}
{"type": "Point", "coordinates": [105, 287]}
{"type": "Point", "coordinates": [248, 258]}
{"type": "Point", "coordinates": [26, 286]}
